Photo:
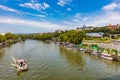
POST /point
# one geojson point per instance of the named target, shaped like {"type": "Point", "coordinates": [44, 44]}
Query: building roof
{"type": "Point", "coordinates": [95, 34]}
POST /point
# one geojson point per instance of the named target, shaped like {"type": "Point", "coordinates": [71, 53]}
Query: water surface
{"type": "Point", "coordinates": [47, 61]}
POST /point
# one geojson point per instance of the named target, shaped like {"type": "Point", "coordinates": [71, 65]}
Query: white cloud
{"type": "Point", "coordinates": [38, 15]}
{"type": "Point", "coordinates": [106, 18]}
{"type": "Point", "coordinates": [76, 20]}
{"type": "Point", "coordinates": [18, 12]}
{"type": "Point", "coordinates": [35, 5]}
{"type": "Point", "coordinates": [69, 9]}
{"type": "Point", "coordinates": [64, 2]}
{"type": "Point", "coordinates": [109, 14]}
{"type": "Point", "coordinates": [77, 15]}
{"type": "Point", "coordinates": [66, 22]}
{"type": "Point", "coordinates": [111, 6]}
{"type": "Point", "coordinates": [85, 19]}
{"type": "Point", "coordinates": [33, 1]}
{"type": "Point", "coordinates": [46, 25]}
{"type": "Point", "coordinates": [45, 5]}
{"type": "Point", "coordinates": [61, 2]}
{"type": "Point", "coordinates": [8, 9]}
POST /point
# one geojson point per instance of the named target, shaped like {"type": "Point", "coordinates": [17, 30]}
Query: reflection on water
{"type": "Point", "coordinates": [1, 54]}
{"type": "Point", "coordinates": [92, 67]}
{"type": "Point", "coordinates": [74, 58]}
{"type": "Point", "coordinates": [21, 73]}
{"type": "Point", "coordinates": [47, 61]}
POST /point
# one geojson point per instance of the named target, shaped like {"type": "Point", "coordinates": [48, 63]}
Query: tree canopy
{"type": "Point", "coordinates": [2, 38]}
{"type": "Point", "coordinates": [10, 36]}
{"type": "Point", "coordinates": [72, 36]}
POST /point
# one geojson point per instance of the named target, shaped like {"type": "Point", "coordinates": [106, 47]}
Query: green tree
{"type": "Point", "coordinates": [72, 36]}
{"type": "Point", "coordinates": [23, 37]}
{"type": "Point", "coordinates": [2, 38]}
{"type": "Point", "coordinates": [10, 36]}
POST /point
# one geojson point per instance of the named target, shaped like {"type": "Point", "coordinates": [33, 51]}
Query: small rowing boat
{"type": "Point", "coordinates": [21, 65]}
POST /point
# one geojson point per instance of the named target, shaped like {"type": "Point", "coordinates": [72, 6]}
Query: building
{"type": "Point", "coordinates": [59, 31]}
{"type": "Point", "coordinates": [113, 27]}
{"type": "Point", "coordinates": [89, 28]}
{"type": "Point", "coordinates": [80, 29]}
{"type": "Point", "coordinates": [85, 28]}
{"type": "Point", "coordinates": [95, 35]}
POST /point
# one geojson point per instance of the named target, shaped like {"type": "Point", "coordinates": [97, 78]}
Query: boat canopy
{"type": "Point", "coordinates": [20, 60]}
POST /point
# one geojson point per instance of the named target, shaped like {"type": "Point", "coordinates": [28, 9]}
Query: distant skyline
{"type": "Point", "coordinates": [33, 16]}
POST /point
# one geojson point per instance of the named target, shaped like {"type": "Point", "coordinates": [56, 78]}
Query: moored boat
{"type": "Point", "coordinates": [82, 50]}
{"type": "Point", "coordinates": [107, 56]}
{"type": "Point", "coordinates": [95, 53]}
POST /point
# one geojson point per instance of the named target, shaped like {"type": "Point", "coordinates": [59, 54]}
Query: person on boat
{"type": "Point", "coordinates": [21, 63]}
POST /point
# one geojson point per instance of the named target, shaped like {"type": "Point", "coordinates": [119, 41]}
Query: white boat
{"type": "Point", "coordinates": [21, 65]}
{"type": "Point", "coordinates": [107, 56]}
{"type": "Point", "coordinates": [82, 50]}
{"type": "Point", "coordinates": [95, 53]}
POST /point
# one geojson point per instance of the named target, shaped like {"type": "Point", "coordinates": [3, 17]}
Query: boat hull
{"type": "Point", "coordinates": [107, 56]}
{"type": "Point", "coordinates": [21, 67]}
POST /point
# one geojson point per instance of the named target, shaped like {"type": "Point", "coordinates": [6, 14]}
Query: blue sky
{"type": "Point", "coordinates": [32, 16]}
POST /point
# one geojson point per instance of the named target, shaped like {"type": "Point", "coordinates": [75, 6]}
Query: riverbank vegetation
{"type": "Point", "coordinates": [43, 36]}
{"type": "Point", "coordinates": [72, 36]}
{"type": "Point", "coordinates": [68, 36]}
{"type": "Point", "coordinates": [10, 38]}
{"type": "Point", "coordinates": [76, 36]}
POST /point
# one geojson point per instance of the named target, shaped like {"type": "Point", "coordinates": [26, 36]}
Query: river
{"type": "Point", "coordinates": [47, 61]}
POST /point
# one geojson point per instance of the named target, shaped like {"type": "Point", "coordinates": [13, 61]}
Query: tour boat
{"type": "Point", "coordinates": [107, 56]}
{"type": "Point", "coordinates": [95, 53]}
{"type": "Point", "coordinates": [21, 65]}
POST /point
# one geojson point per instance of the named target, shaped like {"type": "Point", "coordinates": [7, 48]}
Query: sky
{"type": "Point", "coordinates": [37, 16]}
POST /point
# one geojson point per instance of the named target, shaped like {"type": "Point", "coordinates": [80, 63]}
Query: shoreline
{"type": "Point", "coordinates": [7, 44]}
{"type": "Point", "coordinates": [95, 49]}
{"type": "Point", "coordinates": [2, 46]}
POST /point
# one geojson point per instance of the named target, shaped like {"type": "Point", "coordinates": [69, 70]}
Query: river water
{"type": "Point", "coordinates": [47, 61]}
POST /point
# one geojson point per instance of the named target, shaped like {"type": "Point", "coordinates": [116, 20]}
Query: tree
{"type": "Point", "coordinates": [23, 37]}
{"type": "Point", "coordinates": [2, 38]}
{"type": "Point", "coordinates": [10, 36]}
{"type": "Point", "coordinates": [106, 35]}
{"type": "Point", "coordinates": [72, 36]}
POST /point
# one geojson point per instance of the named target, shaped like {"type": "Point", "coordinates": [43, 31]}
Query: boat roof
{"type": "Point", "coordinates": [20, 60]}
